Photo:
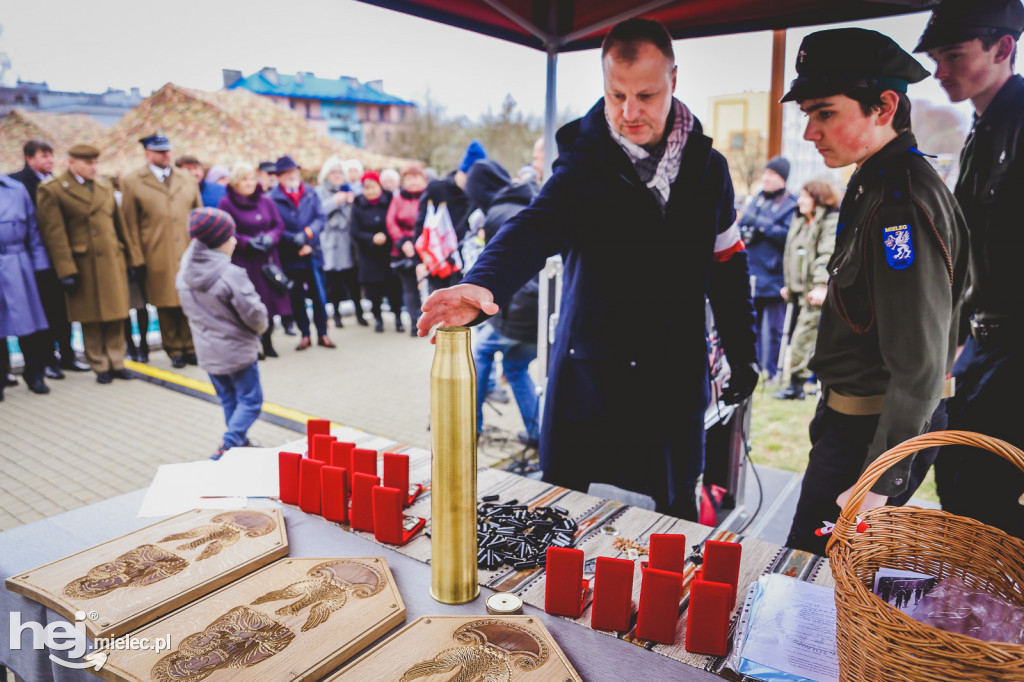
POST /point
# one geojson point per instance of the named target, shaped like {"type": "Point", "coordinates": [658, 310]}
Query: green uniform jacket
{"type": "Point", "coordinates": [809, 247]}
{"type": "Point", "coordinates": [84, 234]}
{"type": "Point", "coordinates": [892, 329]}
{"type": "Point", "coordinates": [157, 219]}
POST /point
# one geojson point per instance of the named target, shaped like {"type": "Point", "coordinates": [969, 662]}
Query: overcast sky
{"type": "Point", "coordinates": [90, 46]}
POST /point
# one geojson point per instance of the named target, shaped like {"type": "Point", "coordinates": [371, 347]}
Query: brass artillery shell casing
{"type": "Point", "coordinates": [453, 561]}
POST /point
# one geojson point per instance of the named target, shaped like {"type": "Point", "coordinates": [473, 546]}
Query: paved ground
{"type": "Point", "coordinates": [84, 442]}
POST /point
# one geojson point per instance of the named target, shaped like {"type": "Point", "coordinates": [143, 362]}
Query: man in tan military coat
{"type": "Point", "coordinates": [84, 233]}
{"type": "Point", "coordinates": [157, 200]}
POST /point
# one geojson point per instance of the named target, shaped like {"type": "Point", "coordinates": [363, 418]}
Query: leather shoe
{"type": "Point", "coordinates": [144, 356]}
{"type": "Point", "coordinates": [191, 359]}
{"type": "Point", "coordinates": [11, 380]}
{"type": "Point", "coordinates": [362, 321]}
{"type": "Point", "coordinates": [399, 327]}
{"type": "Point", "coordinates": [379, 326]}
{"type": "Point", "coordinates": [290, 330]}
{"type": "Point", "coordinates": [304, 343]}
{"type": "Point", "coordinates": [123, 373]}
{"type": "Point", "coordinates": [178, 361]}
{"type": "Point", "coordinates": [104, 377]}
{"type": "Point", "coordinates": [326, 342]}
{"type": "Point", "coordinates": [37, 385]}
{"type": "Point", "coordinates": [52, 372]}
{"type": "Point", "coordinates": [270, 352]}
{"type": "Point", "coordinates": [74, 365]}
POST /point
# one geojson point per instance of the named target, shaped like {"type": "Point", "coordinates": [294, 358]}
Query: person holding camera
{"type": "Point", "coordinates": [259, 229]}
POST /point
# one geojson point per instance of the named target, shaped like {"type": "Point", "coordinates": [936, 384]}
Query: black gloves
{"type": "Point", "coordinates": [262, 243]}
{"type": "Point", "coordinates": [71, 283]}
{"type": "Point", "coordinates": [136, 273]}
{"type": "Point", "coordinates": [299, 239]}
{"type": "Point", "coordinates": [741, 383]}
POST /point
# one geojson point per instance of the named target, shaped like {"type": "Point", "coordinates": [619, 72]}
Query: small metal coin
{"type": "Point", "coordinates": [504, 604]}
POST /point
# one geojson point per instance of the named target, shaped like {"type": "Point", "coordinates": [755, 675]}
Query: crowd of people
{"type": "Point", "coordinates": [875, 282]}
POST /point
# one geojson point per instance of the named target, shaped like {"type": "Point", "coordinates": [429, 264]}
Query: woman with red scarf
{"type": "Point", "coordinates": [401, 223]}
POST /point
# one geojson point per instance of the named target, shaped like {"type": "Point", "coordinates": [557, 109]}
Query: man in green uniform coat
{"type": "Point", "coordinates": [973, 45]}
{"type": "Point", "coordinates": [888, 327]}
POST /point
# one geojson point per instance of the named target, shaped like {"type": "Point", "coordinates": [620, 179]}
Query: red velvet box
{"type": "Point", "coordinates": [314, 427]}
{"type": "Point", "coordinates": [322, 447]}
{"type": "Point", "coordinates": [309, 485]}
{"type": "Point", "coordinates": [388, 519]}
{"type": "Point", "coordinates": [364, 461]}
{"type": "Point", "coordinates": [707, 621]}
{"type": "Point", "coordinates": [722, 564]}
{"type": "Point", "coordinates": [660, 593]}
{"type": "Point", "coordinates": [667, 552]}
{"type": "Point", "coordinates": [288, 474]}
{"type": "Point", "coordinates": [613, 594]}
{"type": "Point", "coordinates": [341, 455]}
{"type": "Point", "coordinates": [565, 588]}
{"type": "Point", "coordinates": [360, 514]}
{"type": "Point", "coordinates": [334, 493]}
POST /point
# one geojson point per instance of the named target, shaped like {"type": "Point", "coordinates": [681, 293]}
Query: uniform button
{"type": "Point", "coordinates": [897, 481]}
{"type": "Point", "coordinates": [572, 351]}
{"type": "Point", "coordinates": [632, 363]}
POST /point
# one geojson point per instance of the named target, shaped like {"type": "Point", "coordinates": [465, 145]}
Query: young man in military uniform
{"type": "Point", "coordinates": [888, 329]}
{"type": "Point", "coordinates": [973, 45]}
{"type": "Point", "coordinates": [81, 225]}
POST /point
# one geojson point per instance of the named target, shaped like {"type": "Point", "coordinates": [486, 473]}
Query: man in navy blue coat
{"type": "Point", "coordinates": [641, 209]}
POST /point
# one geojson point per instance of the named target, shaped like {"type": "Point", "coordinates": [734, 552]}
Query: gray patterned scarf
{"type": "Point", "coordinates": [659, 168]}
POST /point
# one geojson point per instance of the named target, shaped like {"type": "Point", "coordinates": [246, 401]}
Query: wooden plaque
{"type": "Point", "coordinates": [444, 648]}
{"type": "Point", "coordinates": [296, 619]}
{"type": "Point", "coordinates": [132, 579]}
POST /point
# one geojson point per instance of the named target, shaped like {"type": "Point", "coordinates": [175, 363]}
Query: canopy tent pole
{"type": "Point", "coordinates": [774, 106]}
{"type": "Point", "coordinates": [550, 111]}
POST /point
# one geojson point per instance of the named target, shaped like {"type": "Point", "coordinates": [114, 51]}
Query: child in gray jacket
{"type": "Point", "coordinates": [227, 317]}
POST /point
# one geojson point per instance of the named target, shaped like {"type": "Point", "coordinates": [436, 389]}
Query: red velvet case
{"type": "Point", "coordinates": [396, 475]}
{"type": "Point", "coordinates": [660, 593]}
{"type": "Point", "coordinates": [565, 588]}
{"type": "Point", "coordinates": [388, 518]}
{"type": "Point", "coordinates": [707, 622]}
{"type": "Point", "coordinates": [288, 474]}
{"type": "Point", "coordinates": [334, 493]}
{"type": "Point", "coordinates": [364, 461]}
{"type": "Point", "coordinates": [722, 564]}
{"type": "Point", "coordinates": [613, 594]}
{"type": "Point", "coordinates": [314, 427]}
{"type": "Point", "coordinates": [667, 552]}
{"type": "Point", "coordinates": [341, 455]}
{"type": "Point", "coordinates": [309, 485]}
{"type": "Point", "coordinates": [360, 514]}
{"type": "Point", "coordinates": [322, 447]}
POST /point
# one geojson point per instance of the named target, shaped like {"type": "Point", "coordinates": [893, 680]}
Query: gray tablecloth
{"type": "Point", "coordinates": [595, 656]}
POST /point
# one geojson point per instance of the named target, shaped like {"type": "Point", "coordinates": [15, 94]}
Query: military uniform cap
{"type": "Point", "coordinates": [157, 142]}
{"type": "Point", "coordinates": [839, 60]}
{"type": "Point", "coordinates": [84, 151]}
{"type": "Point", "coordinates": [957, 21]}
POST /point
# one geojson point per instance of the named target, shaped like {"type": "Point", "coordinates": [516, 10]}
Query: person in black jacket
{"type": "Point", "coordinates": [373, 249]}
{"type": "Point", "coordinates": [638, 192]}
{"type": "Point", "coordinates": [38, 167]}
{"type": "Point", "coordinates": [973, 45]}
{"type": "Point", "coordinates": [513, 331]}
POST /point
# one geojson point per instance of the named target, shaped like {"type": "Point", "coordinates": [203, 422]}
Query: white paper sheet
{"type": "Point", "coordinates": [244, 472]}
{"type": "Point", "coordinates": [177, 488]}
{"type": "Point", "coordinates": [793, 629]}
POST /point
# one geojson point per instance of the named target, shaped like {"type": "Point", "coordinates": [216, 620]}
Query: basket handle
{"type": "Point", "coordinates": [846, 525]}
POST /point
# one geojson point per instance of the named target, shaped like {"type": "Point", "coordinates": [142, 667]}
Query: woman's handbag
{"type": "Point", "coordinates": [275, 276]}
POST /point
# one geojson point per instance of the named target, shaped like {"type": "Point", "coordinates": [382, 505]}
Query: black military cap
{"type": "Point", "coordinates": [836, 61]}
{"type": "Point", "coordinates": [957, 21]}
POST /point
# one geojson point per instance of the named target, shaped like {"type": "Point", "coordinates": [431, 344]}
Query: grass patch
{"type": "Point", "coordinates": [779, 439]}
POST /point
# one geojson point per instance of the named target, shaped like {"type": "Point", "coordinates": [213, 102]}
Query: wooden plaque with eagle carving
{"type": "Point", "coordinates": [296, 619]}
{"type": "Point", "coordinates": [447, 648]}
{"type": "Point", "coordinates": [128, 581]}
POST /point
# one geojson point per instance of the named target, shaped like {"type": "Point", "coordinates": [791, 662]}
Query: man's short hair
{"type": "Point", "coordinates": [988, 41]}
{"type": "Point", "coordinates": [34, 146]}
{"type": "Point", "coordinates": [183, 161]}
{"type": "Point", "coordinates": [870, 99]}
{"type": "Point", "coordinates": [627, 36]}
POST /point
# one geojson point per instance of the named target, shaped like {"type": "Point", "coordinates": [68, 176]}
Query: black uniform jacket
{"type": "Point", "coordinates": [989, 191]}
{"type": "Point", "coordinates": [629, 364]}
{"type": "Point", "coordinates": [889, 322]}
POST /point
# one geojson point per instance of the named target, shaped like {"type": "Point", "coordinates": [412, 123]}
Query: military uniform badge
{"type": "Point", "coordinates": [899, 247]}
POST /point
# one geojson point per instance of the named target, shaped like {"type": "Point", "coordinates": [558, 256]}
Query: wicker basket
{"type": "Point", "coordinates": [879, 642]}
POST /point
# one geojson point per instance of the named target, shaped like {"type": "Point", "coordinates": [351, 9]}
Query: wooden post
{"type": "Point", "coordinates": [774, 107]}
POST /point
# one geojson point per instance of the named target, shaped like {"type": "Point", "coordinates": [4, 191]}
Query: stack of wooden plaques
{"type": "Point", "coordinates": [132, 579]}
{"type": "Point", "coordinates": [468, 647]}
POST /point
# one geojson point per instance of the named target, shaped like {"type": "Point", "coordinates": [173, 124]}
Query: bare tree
{"type": "Point", "coordinates": [746, 155]}
{"type": "Point", "coordinates": [939, 129]}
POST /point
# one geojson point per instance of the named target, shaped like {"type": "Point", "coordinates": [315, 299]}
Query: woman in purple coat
{"type": "Point", "coordinates": [259, 229]}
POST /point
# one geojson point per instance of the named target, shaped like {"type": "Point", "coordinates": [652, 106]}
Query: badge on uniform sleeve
{"type": "Point", "coordinates": [899, 248]}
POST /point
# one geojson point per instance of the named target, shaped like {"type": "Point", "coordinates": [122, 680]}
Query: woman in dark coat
{"type": "Point", "coordinates": [258, 229]}
{"type": "Point", "coordinates": [373, 249]}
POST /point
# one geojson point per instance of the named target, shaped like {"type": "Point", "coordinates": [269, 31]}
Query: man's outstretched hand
{"type": "Point", "coordinates": [455, 307]}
